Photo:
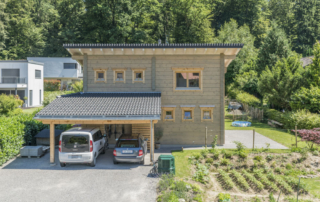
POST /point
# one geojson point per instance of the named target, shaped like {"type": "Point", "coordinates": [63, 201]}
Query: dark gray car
{"type": "Point", "coordinates": [130, 148]}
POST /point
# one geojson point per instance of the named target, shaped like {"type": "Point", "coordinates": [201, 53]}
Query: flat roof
{"type": "Point", "coordinates": [22, 61]}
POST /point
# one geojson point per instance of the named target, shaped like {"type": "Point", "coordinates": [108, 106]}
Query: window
{"type": "Point", "coordinates": [206, 112]}
{"type": "Point", "coordinates": [138, 75]}
{"type": "Point", "coordinates": [38, 74]}
{"type": "Point", "coordinates": [187, 112]}
{"type": "Point", "coordinates": [119, 75]}
{"type": "Point", "coordinates": [100, 75]}
{"type": "Point", "coordinates": [187, 79]}
{"type": "Point", "coordinates": [168, 113]}
{"type": "Point", "coordinates": [69, 65]}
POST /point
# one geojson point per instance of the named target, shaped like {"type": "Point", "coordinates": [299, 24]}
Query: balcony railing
{"type": "Point", "coordinates": [13, 80]}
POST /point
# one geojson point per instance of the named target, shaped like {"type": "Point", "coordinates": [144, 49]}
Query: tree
{"type": "Point", "coordinates": [24, 38]}
{"type": "Point", "coordinates": [230, 32]}
{"type": "Point", "coordinates": [310, 136]}
{"type": "Point", "coordinates": [307, 21]}
{"type": "Point", "coordinates": [274, 47]}
{"type": "Point", "coordinates": [306, 98]}
{"type": "Point", "coordinates": [9, 103]}
{"type": "Point", "coordinates": [3, 24]}
{"type": "Point", "coordinates": [284, 79]}
{"type": "Point", "coordinates": [191, 22]}
{"type": "Point", "coordinates": [77, 86]}
{"type": "Point", "coordinates": [282, 12]}
{"type": "Point", "coordinates": [314, 68]}
{"type": "Point", "coordinates": [252, 13]}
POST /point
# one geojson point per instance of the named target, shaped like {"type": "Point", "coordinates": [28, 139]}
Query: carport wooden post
{"type": "Point", "coordinates": [151, 142]}
{"type": "Point", "coordinates": [52, 144]}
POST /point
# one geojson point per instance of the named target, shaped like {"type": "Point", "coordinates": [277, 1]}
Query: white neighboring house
{"type": "Point", "coordinates": [64, 69]}
{"type": "Point", "coordinates": [23, 78]}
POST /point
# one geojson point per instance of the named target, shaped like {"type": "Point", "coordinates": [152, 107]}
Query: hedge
{"type": "Point", "coordinates": [51, 85]}
{"type": "Point", "coordinates": [246, 98]}
{"type": "Point", "coordinates": [302, 118]}
{"type": "Point", "coordinates": [15, 131]}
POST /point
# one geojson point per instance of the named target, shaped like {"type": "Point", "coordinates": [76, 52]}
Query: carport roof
{"type": "Point", "coordinates": [104, 106]}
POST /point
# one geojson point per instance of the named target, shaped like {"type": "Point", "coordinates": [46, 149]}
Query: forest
{"type": "Point", "coordinates": [276, 34]}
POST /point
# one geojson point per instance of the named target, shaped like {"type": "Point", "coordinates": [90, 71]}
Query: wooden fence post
{"type": "Point", "coordinates": [296, 135]}
{"type": "Point", "coordinates": [254, 134]}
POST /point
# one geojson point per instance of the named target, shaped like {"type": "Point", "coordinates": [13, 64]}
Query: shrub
{"type": "Point", "coordinates": [166, 182]}
{"type": "Point", "coordinates": [288, 166]}
{"type": "Point", "coordinates": [197, 156]}
{"type": "Point", "coordinates": [214, 142]}
{"type": "Point", "coordinates": [269, 157]}
{"type": "Point", "coordinates": [77, 86]}
{"type": "Point", "coordinates": [196, 188]}
{"type": "Point", "coordinates": [246, 98]}
{"type": "Point", "coordinates": [315, 153]}
{"type": "Point", "coordinates": [306, 98]}
{"type": "Point", "coordinates": [253, 180]}
{"type": "Point", "coordinates": [224, 162]}
{"type": "Point", "coordinates": [9, 104]}
{"type": "Point", "coordinates": [258, 158]}
{"type": "Point", "coordinates": [243, 155]}
{"type": "Point", "coordinates": [209, 160]}
{"type": "Point", "coordinates": [271, 197]}
{"type": "Point", "coordinates": [227, 155]}
{"type": "Point", "coordinates": [240, 146]}
{"type": "Point", "coordinates": [225, 179]}
{"type": "Point", "coordinates": [224, 197]}
{"type": "Point", "coordinates": [240, 180]}
{"type": "Point", "coordinates": [51, 85]}
{"type": "Point", "coordinates": [204, 153]}
{"type": "Point", "coordinates": [201, 174]}
{"type": "Point", "coordinates": [310, 136]}
{"type": "Point", "coordinates": [273, 164]}
{"type": "Point", "coordinates": [216, 156]}
{"type": "Point", "coordinates": [197, 197]}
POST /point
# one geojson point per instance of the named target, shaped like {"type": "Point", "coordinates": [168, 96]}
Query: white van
{"type": "Point", "coordinates": [81, 145]}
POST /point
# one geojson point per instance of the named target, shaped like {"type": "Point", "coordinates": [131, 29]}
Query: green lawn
{"type": "Point", "coordinates": [31, 110]}
{"type": "Point", "coordinates": [279, 135]}
{"type": "Point", "coordinates": [313, 186]}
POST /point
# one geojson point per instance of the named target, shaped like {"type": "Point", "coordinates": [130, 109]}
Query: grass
{"type": "Point", "coordinates": [31, 110]}
{"type": "Point", "coordinates": [313, 185]}
{"type": "Point", "coordinates": [279, 135]}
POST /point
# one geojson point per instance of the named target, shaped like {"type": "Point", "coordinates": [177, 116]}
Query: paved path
{"type": "Point", "coordinates": [33, 179]}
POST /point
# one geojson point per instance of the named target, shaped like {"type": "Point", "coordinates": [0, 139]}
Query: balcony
{"type": "Point", "coordinates": [13, 82]}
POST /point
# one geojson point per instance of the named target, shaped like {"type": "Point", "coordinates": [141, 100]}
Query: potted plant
{"type": "Point", "coordinates": [157, 136]}
{"type": "Point", "coordinates": [25, 101]}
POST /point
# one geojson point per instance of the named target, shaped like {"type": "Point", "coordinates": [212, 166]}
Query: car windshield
{"type": "Point", "coordinates": [128, 143]}
{"type": "Point", "coordinates": [75, 143]}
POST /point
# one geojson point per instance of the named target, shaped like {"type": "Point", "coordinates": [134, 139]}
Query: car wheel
{"type": "Point", "coordinates": [115, 162]}
{"type": "Point", "coordinates": [62, 164]}
{"type": "Point", "coordinates": [142, 162]}
{"type": "Point", "coordinates": [93, 163]}
{"type": "Point", "coordinates": [104, 150]}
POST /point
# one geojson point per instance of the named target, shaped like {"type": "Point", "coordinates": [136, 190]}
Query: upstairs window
{"type": "Point", "coordinates": [119, 75]}
{"type": "Point", "coordinates": [138, 75]}
{"type": "Point", "coordinates": [38, 74]}
{"type": "Point", "coordinates": [100, 75]}
{"type": "Point", "coordinates": [187, 79]}
{"type": "Point", "coordinates": [69, 65]}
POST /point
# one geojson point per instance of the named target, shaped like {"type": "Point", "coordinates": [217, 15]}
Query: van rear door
{"type": "Point", "coordinates": [75, 143]}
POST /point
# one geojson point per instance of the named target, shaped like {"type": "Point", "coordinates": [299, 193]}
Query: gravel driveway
{"type": "Point", "coordinates": [24, 179]}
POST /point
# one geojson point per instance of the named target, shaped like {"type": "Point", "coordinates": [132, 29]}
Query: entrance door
{"type": "Point", "coordinates": [30, 98]}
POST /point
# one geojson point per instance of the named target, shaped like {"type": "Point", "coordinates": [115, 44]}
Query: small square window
{"type": "Point", "coordinates": [168, 113]}
{"type": "Point", "coordinates": [206, 115]}
{"type": "Point", "coordinates": [138, 75]}
{"type": "Point", "coordinates": [187, 115]}
{"type": "Point", "coordinates": [119, 76]}
{"type": "Point", "coordinates": [100, 76]}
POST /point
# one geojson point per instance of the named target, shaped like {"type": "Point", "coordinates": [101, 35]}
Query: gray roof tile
{"type": "Point", "coordinates": [104, 104]}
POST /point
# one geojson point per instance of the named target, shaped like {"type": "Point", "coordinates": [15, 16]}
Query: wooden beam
{"type": "Point", "coordinates": [57, 121]}
{"type": "Point", "coordinates": [85, 73]}
{"type": "Point", "coordinates": [151, 142]}
{"type": "Point", "coordinates": [230, 57]}
{"type": "Point", "coordinates": [222, 94]}
{"type": "Point", "coordinates": [52, 144]}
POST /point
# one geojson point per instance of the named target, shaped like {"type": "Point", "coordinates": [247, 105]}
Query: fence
{"type": "Point", "coordinates": [254, 113]}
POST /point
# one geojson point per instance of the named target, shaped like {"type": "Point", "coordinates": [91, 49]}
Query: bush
{"type": "Point", "coordinates": [16, 131]}
{"type": "Point", "coordinates": [166, 182]}
{"type": "Point", "coordinates": [258, 158]}
{"type": "Point", "coordinates": [51, 85]}
{"type": "Point", "coordinates": [9, 104]}
{"type": "Point", "coordinates": [209, 160]}
{"type": "Point", "coordinates": [201, 174]}
{"type": "Point", "coordinates": [227, 155]}
{"type": "Point", "coordinates": [288, 166]}
{"type": "Point", "coordinates": [204, 153]}
{"type": "Point", "coordinates": [269, 157]}
{"type": "Point", "coordinates": [243, 155]}
{"type": "Point", "coordinates": [306, 98]}
{"type": "Point", "coordinates": [50, 96]}
{"type": "Point", "coordinates": [216, 156]}
{"type": "Point", "coordinates": [240, 146]}
{"type": "Point", "coordinates": [246, 98]}
{"type": "Point", "coordinates": [315, 153]}
{"type": "Point", "coordinates": [224, 197]}
{"type": "Point", "coordinates": [224, 162]}
{"type": "Point", "coordinates": [77, 86]}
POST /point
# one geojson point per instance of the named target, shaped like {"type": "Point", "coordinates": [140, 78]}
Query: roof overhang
{"type": "Point", "coordinates": [78, 50]}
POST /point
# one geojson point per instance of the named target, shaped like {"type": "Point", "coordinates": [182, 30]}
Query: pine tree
{"type": "Point", "coordinates": [3, 24]}
{"type": "Point", "coordinates": [274, 47]}
{"type": "Point", "coordinates": [307, 29]}
{"type": "Point", "coordinates": [314, 68]}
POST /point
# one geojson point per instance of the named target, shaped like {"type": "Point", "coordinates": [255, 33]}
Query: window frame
{"type": "Point", "coordinates": [96, 72]}
{"type": "Point", "coordinates": [183, 110]}
{"type": "Point", "coordinates": [119, 70]}
{"type": "Point", "coordinates": [76, 65]}
{"type": "Point", "coordinates": [166, 109]}
{"type": "Point", "coordinates": [187, 70]}
{"type": "Point", "coordinates": [35, 74]}
{"type": "Point", "coordinates": [138, 70]}
{"type": "Point", "coordinates": [203, 109]}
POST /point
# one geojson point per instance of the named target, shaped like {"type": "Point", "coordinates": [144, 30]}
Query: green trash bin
{"type": "Point", "coordinates": [166, 164]}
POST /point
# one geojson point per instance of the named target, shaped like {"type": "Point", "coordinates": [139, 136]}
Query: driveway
{"type": "Point", "coordinates": [33, 179]}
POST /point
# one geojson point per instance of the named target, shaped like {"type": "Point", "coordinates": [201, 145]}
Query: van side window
{"type": "Point", "coordinates": [99, 135]}
{"type": "Point", "coordinates": [94, 137]}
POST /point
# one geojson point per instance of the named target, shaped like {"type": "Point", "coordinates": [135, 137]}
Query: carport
{"type": "Point", "coordinates": [141, 109]}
